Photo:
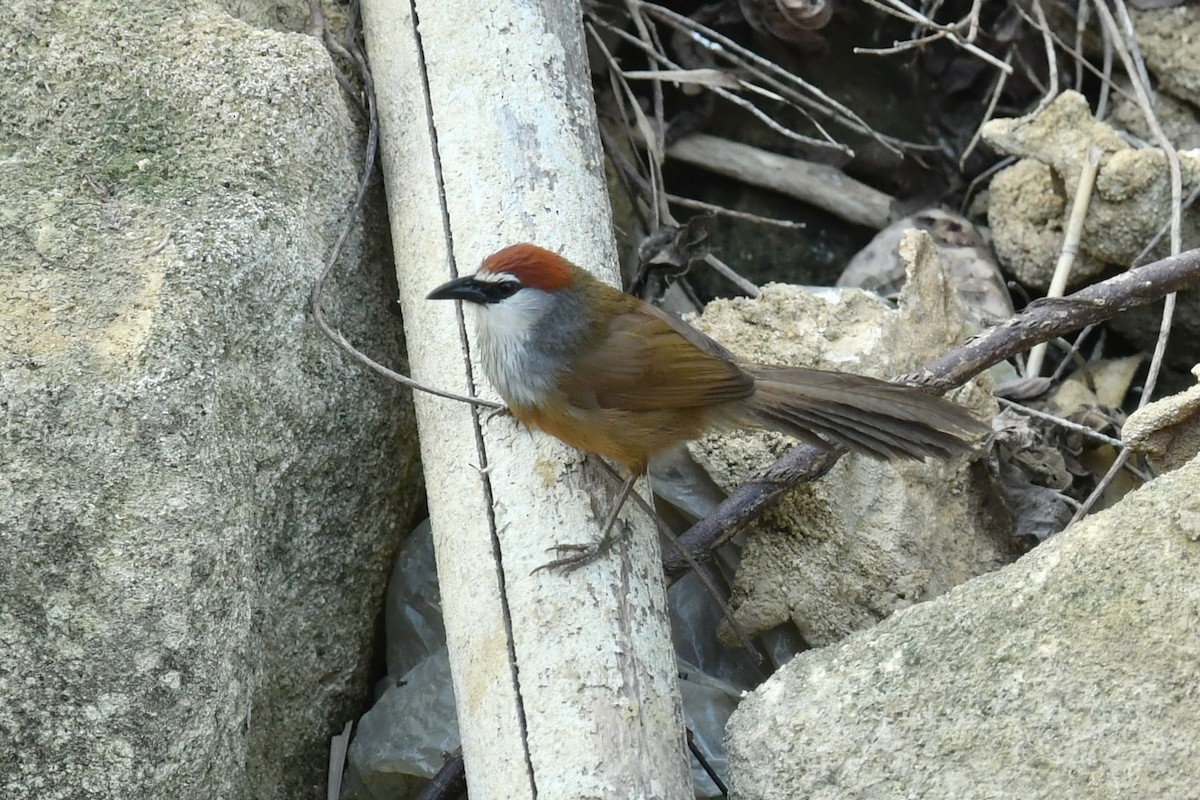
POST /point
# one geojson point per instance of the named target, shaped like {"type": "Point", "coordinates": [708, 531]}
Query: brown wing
{"type": "Point", "coordinates": [650, 361]}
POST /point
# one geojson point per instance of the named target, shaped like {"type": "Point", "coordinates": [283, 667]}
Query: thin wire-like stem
{"type": "Point", "coordinates": [364, 181]}
{"type": "Point", "coordinates": [983, 177]}
{"type": "Point", "coordinates": [659, 128]}
{"type": "Point", "coordinates": [1051, 59]}
{"type": "Point", "coordinates": [727, 272]}
{"type": "Point", "coordinates": [1001, 78]}
{"type": "Point", "coordinates": [1164, 229]}
{"type": "Point", "coordinates": [651, 139]}
{"type": "Point", "coordinates": [1082, 11]}
{"type": "Point", "coordinates": [1083, 430]}
{"type": "Point", "coordinates": [1073, 356]}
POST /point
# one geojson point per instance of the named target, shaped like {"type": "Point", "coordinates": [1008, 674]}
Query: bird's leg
{"type": "Point", "coordinates": [573, 556]}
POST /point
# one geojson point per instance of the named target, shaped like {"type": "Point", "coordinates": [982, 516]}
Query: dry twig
{"type": "Point", "coordinates": [1051, 59]}
{"type": "Point", "coordinates": [797, 91]}
{"type": "Point", "coordinates": [450, 782]}
{"type": "Point", "coordinates": [898, 9]}
{"type": "Point", "coordinates": [717, 87]}
{"type": "Point", "coordinates": [745, 216]}
{"type": "Point", "coordinates": [1070, 248]}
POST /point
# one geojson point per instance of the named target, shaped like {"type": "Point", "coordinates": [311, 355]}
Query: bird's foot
{"type": "Point", "coordinates": [498, 413]}
{"type": "Point", "coordinates": [573, 556]}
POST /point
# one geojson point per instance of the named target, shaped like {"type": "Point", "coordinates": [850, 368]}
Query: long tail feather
{"type": "Point", "coordinates": [874, 417]}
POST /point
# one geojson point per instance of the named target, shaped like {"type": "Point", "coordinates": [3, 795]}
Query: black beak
{"type": "Point", "coordinates": [467, 289]}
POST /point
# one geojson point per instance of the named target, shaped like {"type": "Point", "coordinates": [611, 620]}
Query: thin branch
{"type": "Point", "coordinates": [1051, 59]}
{"type": "Point", "coordinates": [650, 135]}
{"type": "Point", "coordinates": [450, 782]}
{"type": "Point", "coordinates": [1107, 86]}
{"type": "Point", "coordinates": [1104, 74]}
{"type": "Point", "coordinates": [983, 177]}
{"type": "Point", "coordinates": [1082, 10]}
{"type": "Point", "coordinates": [972, 21]}
{"type": "Point", "coordinates": [820, 185]}
{"type": "Point", "coordinates": [1073, 356]}
{"type": "Point", "coordinates": [659, 128]}
{"type": "Point", "coordinates": [745, 216]}
{"type": "Point", "coordinates": [902, 47]}
{"type": "Point", "coordinates": [1165, 228]}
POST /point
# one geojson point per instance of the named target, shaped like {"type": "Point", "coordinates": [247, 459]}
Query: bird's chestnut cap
{"type": "Point", "coordinates": [533, 266]}
{"type": "Point", "coordinates": [506, 272]}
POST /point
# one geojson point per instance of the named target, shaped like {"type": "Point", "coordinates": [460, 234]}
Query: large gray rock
{"type": "Point", "coordinates": [1073, 673]}
{"type": "Point", "coordinates": [198, 494]}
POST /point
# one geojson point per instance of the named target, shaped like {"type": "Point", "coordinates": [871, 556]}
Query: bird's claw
{"type": "Point", "coordinates": [573, 556]}
{"type": "Point", "coordinates": [497, 413]}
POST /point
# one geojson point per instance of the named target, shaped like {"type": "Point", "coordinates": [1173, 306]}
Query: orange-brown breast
{"type": "Point", "coordinates": [642, 387]}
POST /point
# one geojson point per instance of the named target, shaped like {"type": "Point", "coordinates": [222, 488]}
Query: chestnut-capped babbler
{"type": "Point", "coordinates": [610, 374]}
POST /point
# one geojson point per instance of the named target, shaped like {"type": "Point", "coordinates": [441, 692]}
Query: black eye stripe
{"type": "Point", "coordinates": [501, 290]}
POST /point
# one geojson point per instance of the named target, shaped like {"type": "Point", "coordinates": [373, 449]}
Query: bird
{"type": "Point", "coordinates": [610, 374]}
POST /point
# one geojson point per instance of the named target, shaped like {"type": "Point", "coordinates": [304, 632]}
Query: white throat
{"type": "Point", "coordinates": [508, 347]}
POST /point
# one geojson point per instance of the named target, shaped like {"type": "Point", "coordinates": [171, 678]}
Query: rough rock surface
{"type": "Point", "coordinates": [1170, 42]}
{"type": "Point", "coordinates": [1073, 673]}
{"type": "Point", "coordinates": [844, 552]}
{"type": "Point", "coordinates": [198, 493]}
{"type": "Point", "coordinates": [1177, 119]}
{"type": "Point", "coordinates": [1167, 431]}
{"type": "Point", "coordinates": [1129, 206]}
